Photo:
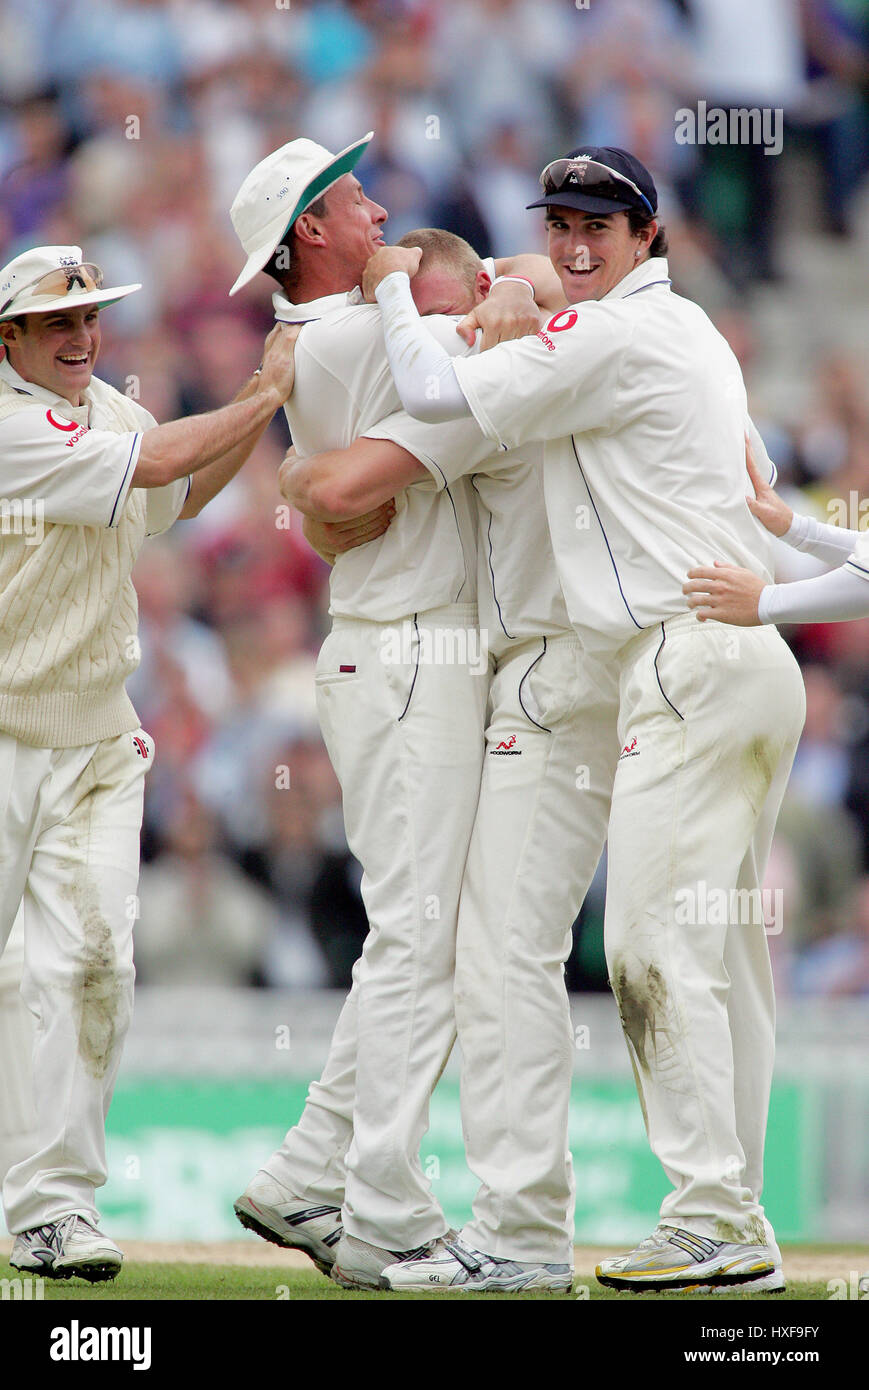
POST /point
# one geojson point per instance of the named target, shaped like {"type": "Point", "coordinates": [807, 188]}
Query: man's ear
{"type": "Point", "coordinates": [310, 229]}
{"type": "Point", "coordinates": [649, 233]}
{"type": "Point", "coordinates": [8, 334]}
{"type": "Point", "coordinates": [482, 285]}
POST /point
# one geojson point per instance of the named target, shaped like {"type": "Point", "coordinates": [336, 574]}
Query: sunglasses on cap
{"type": "Point", "coordinates": [58, 283]}
{"type": "Point", "coordinates": [591, 175]}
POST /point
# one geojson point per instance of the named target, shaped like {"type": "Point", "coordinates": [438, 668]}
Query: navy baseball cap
{"type": "Point", "coordinates": [598, 178]}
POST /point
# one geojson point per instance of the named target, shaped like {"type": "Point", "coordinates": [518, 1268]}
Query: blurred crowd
{"type": "Point", "coordinates": [126, 126]}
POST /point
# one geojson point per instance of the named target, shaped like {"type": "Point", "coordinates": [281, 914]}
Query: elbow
{"type": "Point", "coordinates": [330, 500]}
{"type": "Point", "coordinates": [317, 493]}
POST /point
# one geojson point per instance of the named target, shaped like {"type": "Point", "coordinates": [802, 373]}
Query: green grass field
{"type": "Point", "coordinates": [208, 1282]}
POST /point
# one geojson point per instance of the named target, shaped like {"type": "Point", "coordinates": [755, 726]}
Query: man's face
{"type": "Point", "coordinates": [354, 225]}
{"type": "Point", "coordinates": [441, 291]}
{"type": "Point", "coordinates": [58, 351]}
{"type": "Point", "coordinates": [603, 244]}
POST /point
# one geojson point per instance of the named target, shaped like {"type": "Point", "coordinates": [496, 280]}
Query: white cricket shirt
{"type": "Point", "coordinates": [343, 387]}
{"type": "Point", "coordinates": [518, 591]}
{"type": "Point", "coordinates": [642, 406]}
{"type": "Point", "coordinates": [71, 460]}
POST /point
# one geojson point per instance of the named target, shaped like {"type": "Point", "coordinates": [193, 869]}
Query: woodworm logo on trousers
{"type": "Point", "coordinates": [435, 646]}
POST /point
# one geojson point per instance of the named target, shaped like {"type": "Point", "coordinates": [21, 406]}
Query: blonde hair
{"type": "Point", "coordinates": [445, 249]}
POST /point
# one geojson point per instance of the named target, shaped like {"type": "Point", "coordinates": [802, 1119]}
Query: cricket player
{"type": "Point", "coordinates": [85, 474]}
{"type": "Point", "coordinates": [404, 731]}
{"type": "Point", "coordinates": [642, 408]}
{"type": "Point", "coordinates": [733, 595]}
{"type": "Point", "coordinates": [551, 752]}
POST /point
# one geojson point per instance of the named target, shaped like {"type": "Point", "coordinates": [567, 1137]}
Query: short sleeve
{"type": "Point", "coordinates": [164, 504]}
{"type": "Point", "coordinates": [449, 450]}
{"type": "Point", "coordinates": [79, 476]}
{"type": "Point", "coordinates": [562, 381]}
{"type": "Point", "coordinates": [763, 462]}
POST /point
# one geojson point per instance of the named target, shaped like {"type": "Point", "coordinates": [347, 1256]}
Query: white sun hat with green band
{"type": "Point", "coordinates": [277, 191]}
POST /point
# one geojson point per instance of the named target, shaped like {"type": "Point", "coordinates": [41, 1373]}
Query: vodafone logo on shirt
{"type": "Point", "coordinates": [565, 318]}
{"type": "Point", "coordinates": [69, 427]}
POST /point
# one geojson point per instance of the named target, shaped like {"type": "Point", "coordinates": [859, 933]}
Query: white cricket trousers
{"type": "Point", "coordinates": [69, 859]}
{"type": "Point", "coordinates": [551, 752]}
{"type": "Point", "coordinates": [17, 1113]}
{"type": "Point", "coordinates": [406, 741]}
{"type": "Point", "coordinates": [710, 719]}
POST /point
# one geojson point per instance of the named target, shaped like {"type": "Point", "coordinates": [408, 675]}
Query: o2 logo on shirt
{"type": "Point", "coordinates": [67, 425]}
{"type": "Point", "coordinates": [564, 319]}
{"type": "Point", "coordinates": [75, 432]}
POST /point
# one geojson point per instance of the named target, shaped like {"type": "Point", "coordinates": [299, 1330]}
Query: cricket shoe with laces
{"type": "Point", "coordinates": [671, 1258]}
{"type": "Point", "coordinates": [359, 1265]}
{"type": "Point", "coordinates": [74, 1245]}
{"type": "Point", "coordinates": [274, 1212]}
{"type": "Point", "coordinates": [450, 1264]}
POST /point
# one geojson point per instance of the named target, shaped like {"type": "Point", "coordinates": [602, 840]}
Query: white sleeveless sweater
{"type": "Point", "coordinates": [68, 610]}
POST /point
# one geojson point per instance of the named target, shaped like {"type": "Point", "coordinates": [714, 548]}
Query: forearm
{"type": "Point", "coordinates": [422, 371]}
{"type": "Point", "coordinates": [832, 544]}
{"type": "Point", "coordinates": [310, 484]}
{"type": "Point", "coordinates": [548, 290]}
{"type": "Point", "coordinates": [213, 478]}
{"type": "Point", "coordinates": [827, 598]}
{"type": "Point", "coordinates": [185, 446]}
{"type": "Point", "coordinates": [344, 485]}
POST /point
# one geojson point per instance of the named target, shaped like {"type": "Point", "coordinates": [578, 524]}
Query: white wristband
{"type": "Point", "coordinates": [499, 280]}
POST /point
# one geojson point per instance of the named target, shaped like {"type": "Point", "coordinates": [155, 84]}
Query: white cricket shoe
{"type": "Point", "coordinates": [359, 1265]}
{"type": "Point", "coordinates": [74, 1245]}
{"type": "Point", "coordinates": [449, 1264]}
{"type": "Point", "coordinates": [671, 1258]}
{"type": "Point", "coordinates": [274, 1212]}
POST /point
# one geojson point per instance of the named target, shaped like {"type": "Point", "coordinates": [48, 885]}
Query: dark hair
{"type": "Point", "coordinates": [20, 321]}
{"type": "Point", "coordinates": [638, 220]}
{"type": "Point", "coordinates": [281, 264]}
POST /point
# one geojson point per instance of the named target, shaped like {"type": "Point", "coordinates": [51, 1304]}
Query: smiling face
{"type": "Point", "coordinates": [592, 252]}
{"type": "Point", "coordinates": [352, 227]}
{"type": "Point", "coordinates": [57, 350]}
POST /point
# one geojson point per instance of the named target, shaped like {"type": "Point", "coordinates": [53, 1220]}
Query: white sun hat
{"type": "Point", "coordinates": [53, 277]}
{"type": "Point", "coordinates": [277, 191]}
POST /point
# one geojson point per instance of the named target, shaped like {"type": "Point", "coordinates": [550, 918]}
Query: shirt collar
{"type": "Point", "coordinates": [41, 393]}
{"type": "Point", "coordinates": [286, 312]}
{"type": "Point", "coordinates": [654, 271]}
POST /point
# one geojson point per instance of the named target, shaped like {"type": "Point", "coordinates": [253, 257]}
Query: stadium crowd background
{"type": "Point", "coordinates": [126, 126]}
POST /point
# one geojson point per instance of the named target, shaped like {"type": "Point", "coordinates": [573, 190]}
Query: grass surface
{"type": "Point", "coordinates": [207, 1282]}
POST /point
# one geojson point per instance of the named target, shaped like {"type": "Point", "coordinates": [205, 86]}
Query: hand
{"type": "Point", "coordinates": [726, 593]}
{"type": "Point", "coordinates": [384, 262]}
{"type": "Point", "coordinates": [766, 504]}
{"type": "Point", "coordinates": [279, 369]}
{"type": "Point", "coordinates": [509, 312]}
{"type": "Point", "coordinates": [331, 538]}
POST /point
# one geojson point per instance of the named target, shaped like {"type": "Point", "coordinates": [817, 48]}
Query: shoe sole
{"type": "Point", "coordinates": [96, 1273]}
{"type": "Point", "coordinates": [250, 1216]}
{"type": "Point", "coordinates": [354, 1281]}
{"type": "Point", "coordinates": [681, 1283]}
{"type": "Point", "coordinates": [563, 1291]}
